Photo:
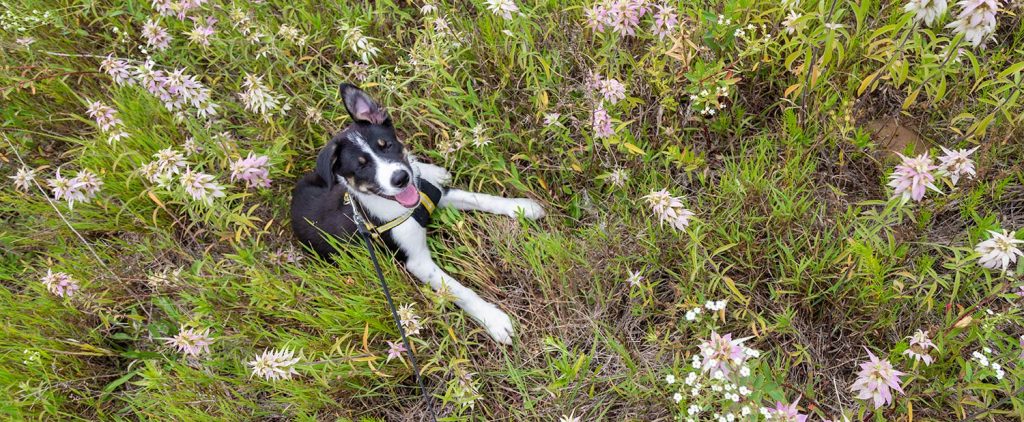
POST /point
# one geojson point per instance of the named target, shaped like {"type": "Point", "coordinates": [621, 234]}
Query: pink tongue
{"type": "Point", "coordinates": [408, 197]}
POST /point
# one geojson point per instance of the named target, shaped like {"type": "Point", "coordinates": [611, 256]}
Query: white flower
{"type": "Point", "coordinates": [257, 97]}
{"type": "Point", "coordinates": [428, 8]}
{"type": "Point", "coordinates": [834, 26]}
{"type": "Point", "coordinates": [693, 410]}
{"type": "Point", "coordinates": [201, 186]}
{"type": "Point", "coordinates": [503, 8]}
{"type": "Point", "coordinates": [669, 209]}
{"type": "Point", "coordinates": [999, 251]}
{"type": "Point", "coordinates": [670, 379]}
{"type": "Point", "coordinates": [927, 11]}
{"type": "Point", "coordinates": [634, 279]}
{"type": "Point", "coordinates": [571, 417]}
{"type": "Point", "coordinates": [677, 397]}
{"type": "Point", "coordinates": [976, 20]}
{"type": "Point", "coordinates": [957, 163]}
{"type": "Point", "coordinates": [274, 365]}
{"type": "Point", "coordinates": [790, 22]}
{"type": "Point", "coordinates": [551, 119]}
{"type": "Point", "coordinates": [23, 179]}
{"type": "Point", "coordinates": [618, 177]}
{"type": "Point", "coordinates": [191, 342]}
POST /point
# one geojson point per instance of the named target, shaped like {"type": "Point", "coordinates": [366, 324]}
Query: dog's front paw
{"type": "Point", "coordinates": [531, 209]}
{"type": "Point", "coordinates": [434, 174]}
{"type": "Point", "coordinates": [496, 322]}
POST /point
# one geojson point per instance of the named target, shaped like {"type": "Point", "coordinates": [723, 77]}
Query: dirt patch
{"type": "Point", "coordinates": [893, 137]}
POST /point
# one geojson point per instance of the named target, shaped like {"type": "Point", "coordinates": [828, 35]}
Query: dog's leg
{"type": "Point", "coordinates": [463, 200]}
{"type": "Point", "coordinates": [412, 239]}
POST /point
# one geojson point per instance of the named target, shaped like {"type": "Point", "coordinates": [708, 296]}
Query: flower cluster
{"type": "Point", "coordinates": [179, 8]}
{"type": "Point", "coordinates": [669, 209]}
{"type": "Point", "coordinates": [719, 383]}
{"type": "Point", "coordinates": [253, 170]}
{"type": "Point", "coordinates": [711, 305]}
{"type": "Point", "coordinates": [984, 360]}
{"type": "Point", "coordinates": [411, 322]}
{"type": "Point", "coordinates": [395, 350]}
{"type": "Point", "coordinates": [601, 122]}
{"type": "Point", "coordinates": [274, 364]}
{"type": "Point", "coordinates": [999, 250]}
{"type": "Point", "coordinates": [191, 342]}
{"type": "Point", "coordinates": [976, 20]}
{"type": "Point", "coordinates": [926, 11]}
{"type": "Point", "coordinates": [201, 186]}
{"type": "Point", "coordinates": [876, 381]}
{"type": "Point", "coordinates": [81, 188]}
{"type": "Point", "coordinates": [622, 16]}
{"type": "Point", "coordinates": [709, 102]}
{"type": "Point", "coordinates": [920, 344]}
{"type": "Point", "coordinates": [359, 43]}
{"type": "Point", "coordinates": [956, 164]}
{"type": "Point", "coordinates": [503, 8]}
{"type": "Point", "coordinates": [913, 177]}
{"type": "Point", "coordinates": [174, 89]}
{"type": "Point", "coordinates": [106, 118]}
{"type": "Point", "coordinates": [258, 98]}
{"type": "Point", "coordinates": [156, 36]}
{"type": "Point", "coordinates": [666, 21]}
{"type": "Point", "coordinates": [24, 179]}
{"type": "Point", "coordinates": [784, 412]}
{"type": "Point", "coordinates": [202, 30]}
{"type": "Point", "coordinates": [60, 284]}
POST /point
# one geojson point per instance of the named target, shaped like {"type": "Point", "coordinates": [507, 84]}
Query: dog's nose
{"type": "Point", "coordinates": [400, 178]}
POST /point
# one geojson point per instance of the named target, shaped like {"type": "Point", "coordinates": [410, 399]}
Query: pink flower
{"type": "Point", "coordinates": [395, 350]}
{"type": "Point", "coordinates": [253, 170]}
{"type": "Point", "coordinates": [191, 342]}
{"type": "Point", "coordinates": [665, 21]}
{"type": "Point", "coordinates": [59, 284]}
{"type": "Point", "coordinates": [201, 186]}
{"type": "Point", "coordinates": [786, 413]}
{"type": "Point", "coordinates": [624, 15]}
{"type": "Point", "coordinates": [274, 364]}
{"type": "Point", "coordinates": [602, 123]}
{"type": "Point", "coordinates": [156, 36]}
{"type": "Point", "coordinates": [919, 346]}
{"type": "Point", "coordinates": [201, 32]}
{"type": "Point", "coordinates": [669, 209]}
{"type": "Point", "coordinates": [913, 177]}
{"type": "Point", "coordinates": [612, 90]}
{"type": "Point", "coordinates": [721, 355]}
{"type": "Point", "coordinates": [117, 69]}
{"type": "Point", "coordinates": [65, 189]}
{"type": "Point", "coordinates": [598, 17]}
{"type": "Point", "coordinates": [105, 116]}
{"type": "Point", "coordinates": [875, 381]}
{"type": "Point", "coordinates": [957, 163]}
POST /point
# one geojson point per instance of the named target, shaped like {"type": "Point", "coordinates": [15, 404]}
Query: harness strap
{"type": "Point", "coordinates": [421, 213]}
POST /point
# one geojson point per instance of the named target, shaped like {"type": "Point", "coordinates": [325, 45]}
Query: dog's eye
{"type": "Point", "coordinates": [362, 161]}
{"type": "Point", "coordinates": [384, 145]}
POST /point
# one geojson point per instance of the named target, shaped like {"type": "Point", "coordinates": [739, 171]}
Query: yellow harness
{"type": "Point", "coordinates": [377, 230]}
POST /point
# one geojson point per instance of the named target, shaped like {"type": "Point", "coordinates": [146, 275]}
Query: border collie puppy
{"type": "Point", "coordinates": [367, 163]}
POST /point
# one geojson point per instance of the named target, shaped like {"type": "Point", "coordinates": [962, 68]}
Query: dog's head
{"type": "Point", "coordinates": [367, 156]}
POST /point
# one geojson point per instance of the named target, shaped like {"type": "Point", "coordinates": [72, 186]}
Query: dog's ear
{"type": "Point", "coordinates": [325, 162]}
{"type": "Point", "coordinates": [361, 107]}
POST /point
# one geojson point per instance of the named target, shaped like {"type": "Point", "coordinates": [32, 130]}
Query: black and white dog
{"type": "Point", "coordinates": [368, 163]}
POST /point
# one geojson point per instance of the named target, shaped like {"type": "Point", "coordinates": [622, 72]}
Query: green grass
{"type": "Point", "coordinates": [794, 225]}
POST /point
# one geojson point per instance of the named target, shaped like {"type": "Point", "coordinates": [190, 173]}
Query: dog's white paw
{"type": "Point", "coordinates": [434, 174]}
{"type": "Point", "coordinates": [496, 322]}
{"type": "Point", "coordinates": [530, 209]}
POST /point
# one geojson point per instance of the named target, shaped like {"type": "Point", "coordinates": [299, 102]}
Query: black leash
{"type": "Point", "coordinates": [361, 227]}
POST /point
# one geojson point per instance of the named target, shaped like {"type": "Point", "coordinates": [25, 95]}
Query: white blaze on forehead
{"type": "Point", "coordinates": [383, 169]}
